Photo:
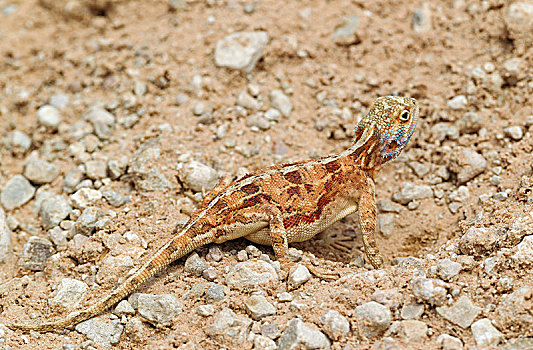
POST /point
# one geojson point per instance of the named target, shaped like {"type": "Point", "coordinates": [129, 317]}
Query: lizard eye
{"type": "Point", "coordinates": [404, 117]}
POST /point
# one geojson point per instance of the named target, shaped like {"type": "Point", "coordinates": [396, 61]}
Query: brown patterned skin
{"type": "Point", "coordinates": [283, 203]}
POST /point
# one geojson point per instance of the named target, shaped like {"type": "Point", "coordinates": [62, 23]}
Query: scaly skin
{"type": "Point", "coordinates": [283, 203]}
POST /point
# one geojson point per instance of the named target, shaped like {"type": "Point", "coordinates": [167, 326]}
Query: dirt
{"type": "Point", "coordinates": [96, 52]}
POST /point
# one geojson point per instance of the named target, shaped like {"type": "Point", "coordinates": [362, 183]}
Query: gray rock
{"type": "Point", "coordinates": [373, 319]}
{"type": "Point", "coordinates": [447, 269]}
{"type": "Point", "coordinates": [117, 167]}
{"type": "Point", "coordinates": [458, 102]}
{"type": "Point", "coordinates": [485, 334]}
{"type": "Point", "coordinates": [5, 238]}
{"type": "Point", "coordinates": [412, 311]}
{"type": "Point", "coordinates": [273, 114]}
{"type": "Point", "coordinates": [88, 220]}
{"type": "Point", "coordinates": [240, 50]}
{"type": "Point", "coordinates": [229, 325]}
{"type": "Point", "coordinates": [413, 331]}
{"type": "Point", "coordinates": [258, 307]}
{"type": "Point", "coordinates": [247, 101]}
{"type": "Point", "coordinates": [335, 325]}
{"type": "Point", "coordinates": [299, 335]}
{"type": "Point", "coordinates": [281, 102]}
{"type": "Point", "coordinates": [35, 254]}
{"type": "Point", "coordinates": [461, 313]}
{"type": "Point", "coordinates": [468, 164]}
{"type": "Point", "coordinates": [68, 294]}
{"type": "Point", "coordinates": [429, 290]}
{"type": "Point", "coordinates": [115, 198]}
{"type": "Point", "coordinates": [422, 19]}
{"type": "Point", "coordinates": [198, 177]}
{"type": "Point", "coordinates": [40, 171]}
{"type": "Point", "coordinates": [478, 241]}
{"type": "Point", "coordinates": [518, 344]}
{"type": "Point", "coordinates": [72, 179]}
{"type": "Point", "coordinates": [251, 273]}
{"type": "Point", "coordinates": [205, 310]}
{"type": "Point", "coordinates": [298, 276]}
{"type": "Point", "coordinates": [346, 33]}
{"type": "Point", "coordinates": [16, 192]}
{"type": "Point", "coordinates": [410, 192]}
{"type": "Point", "coordinates": [461, 194]}
{"type": "Point", "coordinates": [195, 265]}
{"type": "Point", "coordinates": [59, 101]}
{"type": "Point", "coordinates": [270, 330]}
{"type": "Point", "coordinates": [470, 123]}
{"type": "Point", "coordinates": [441, 131]}
{"type": "Point", "coordinates": [419, 169]}
{"type": "Point", "coordinates": [102, 121]}
{"type": "Point", "coordinates": [58, 237]}
{"type": "Point", "coordinates": [124, 308]}
{"type": "Point", "coordinates": [258, 121]}
{"type": "Point", "coordinates": [524, 252]}
{"type": "Point", "coordinates": [49, 116]}
{"type": "Point", "coordinates": [53, 210]}
{"type": "Point", "coordinates": [215, 292]}
{"type": "Point", "coordinates": [19, 141]}
{"type": "Point", "coordinates": [158, 309]}
{"type": "Point", "coordinates": [96, 169]}
{"type": "Point", "coordinates": [102, 331]}
{"type": "Point", "coordinates": [515, 132]}
{"type": "Point", "coordinates": [264, 343]}
{"type": "Point", "coordinates": [513, 70]}
{"type": "Point", "coordinates": [85, 197]}
{"type": "Point", "coordinates": [447, 342]}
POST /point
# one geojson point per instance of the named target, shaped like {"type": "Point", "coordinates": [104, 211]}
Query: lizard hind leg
{"type": "Point", "coordinates": [280, 244]}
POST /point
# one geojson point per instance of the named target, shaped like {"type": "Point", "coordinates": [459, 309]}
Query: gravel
{"type": "Point", "coordinates": [467, 164]}
{"type": "Point", "coordinates": [40, 171]}
{"type": "Point", "coordinates": [298, 276]}
{"type": "Point", "coordinates": [16, 192]}
{"type": "Point", "coordinates": [429, 290]}
{"type": "Point", "coordinates": [68, 294]}
{"type": "Point", "coordinates": [102, 331]}
{"type": "Point", "coordinates": [299, 334]}
{"type": "Point", "coordinates": [49, 116]}
{"type": "Point", "coordinates": [448, 342]}
{"type": "Point", "coordinates": [346, 33]}
{"type": "Point", "coordinates": [102, 121]}
{"type": "Point", "coordinates": [447, 269]}
{"type": "Point", "coordinates": [457, 103]}
{"type": "Point", "coordinates": [373, 319]}
{"type": "Point", "coordinates": [195, 265]}
{"type": "Point", "coordinates": [226, 324]}
{"type": "Point", "coordinates": [240, 50]}
{"type": "Point", "coordinates": [198, 177]}
{"type": "Point", "coordinates": [462, 313]}
{"type": "Point", "coordinates": [85, 197]}
{"type": "Point", "coordinates": [53, 210]}
{"type": "Point", "coordinates": [413, 331]}
{"type": "Point", "coordinates": [215, 292]}
{"type": "Point", "coordinates": [281, 102]}
{"type": "Point", "coordinates": [410, 192]}
{"type": "Point", "coordinates": [19, 141]}
{"type": "Point", "coordinates": [35, 254]}
{"type": "Point", "coordinates": [335, 325]}
{"type": "Point", "coordinates": [251, 273]}
{"type": "Point", "coordinates": [514, 132]}
{"type": "Point", "coordinates": [485, 334]}
{"type": "Point", "coordinates": [478, 241]}
{"type": "Point", "coordinates": [524, 252]}
{"type": "Point", "coordinates": [258, 307]}
{"type": "Point", "coordinates": [412, 311]}
{"type": "Point", "coordinates": [158, 309]}
{"type": "Point", "coordinates": [124, 308]}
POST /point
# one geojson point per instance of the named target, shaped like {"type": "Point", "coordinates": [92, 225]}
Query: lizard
{"type": "Point", "coordinates": [282, 204]}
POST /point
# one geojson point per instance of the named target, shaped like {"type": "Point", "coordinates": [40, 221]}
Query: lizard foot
{"type": "Point", "coordinates": [323, 274]}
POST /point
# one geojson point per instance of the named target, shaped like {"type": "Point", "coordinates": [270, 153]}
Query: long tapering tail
{"type": "Point", "coordinates": [174, 249]}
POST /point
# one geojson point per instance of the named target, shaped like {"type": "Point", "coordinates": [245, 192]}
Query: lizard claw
{"type": "Point", "coordinates": [323, 274]}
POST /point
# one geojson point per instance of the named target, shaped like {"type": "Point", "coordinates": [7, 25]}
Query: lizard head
{"type": "Point", "coordinates": [387, 128]}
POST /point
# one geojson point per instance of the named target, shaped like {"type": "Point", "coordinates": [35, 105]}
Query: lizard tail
{"type": "Point", "coordinates": [172, 250]}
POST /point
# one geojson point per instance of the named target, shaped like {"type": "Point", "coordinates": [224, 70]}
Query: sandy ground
{"type": "Point", "coordinates": [106, 53]}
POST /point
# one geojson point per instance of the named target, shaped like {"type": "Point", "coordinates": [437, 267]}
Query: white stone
{"type": "Point", "coordinates": [240, 50]}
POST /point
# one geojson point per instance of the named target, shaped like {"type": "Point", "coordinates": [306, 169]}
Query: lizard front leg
{"type": "Point", "coordinates": [367, 220]}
